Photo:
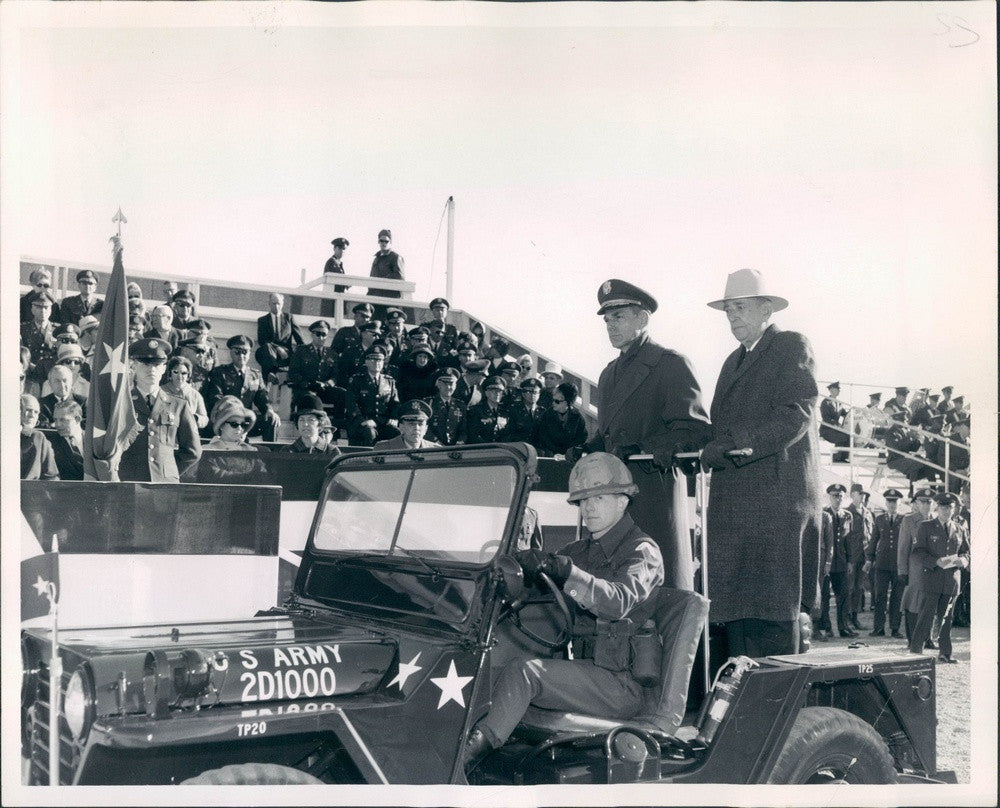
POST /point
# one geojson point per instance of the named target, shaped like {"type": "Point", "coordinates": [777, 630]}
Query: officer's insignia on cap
{"type": "Point", "coordinates": [606, 287]}
{"type": "Point", "coordinates": [154, 344]}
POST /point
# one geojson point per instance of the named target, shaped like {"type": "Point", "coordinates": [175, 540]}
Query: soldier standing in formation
{"type": "Point", "coordinates": [882, 554]}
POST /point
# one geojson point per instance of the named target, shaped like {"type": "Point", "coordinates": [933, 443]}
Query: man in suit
{"type": "Point", "coordinates": [413, 417]}
{"type": "Point", "coordinates": [246, 383]}
{"type": "Point", "coordinates": [87, 303]}
{"type": "Point", "coordinates": [649, 402]}
{"type": "Point", "coordinates": [882, 555]}
{"type": "Point", "coordinates": [942, 552]}
{"type": "Point", "coordinates": [167, 444]}
{"type": "Point", "coordinates": [277, 337]}
{"type": "Point", "coordinates": [161, 320]}
{"type": "Point", "coordinates": [764, 512]}
{"type": "Point", "coordinates": [61, 382]}
{"type": "Point", "coordinates": [67, 443]}
{"type": "Point", "coordinates": [834, 563]}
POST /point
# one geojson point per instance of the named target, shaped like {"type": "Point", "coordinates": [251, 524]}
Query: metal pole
{"type": "Point", "coordinates": [55, 680]}
{"type": "Point", "coordinates": [947, 462]}
{"type": "Point", "coordinates": [450, 264]}
{"type": "Point", "coordinates": [701, 503]}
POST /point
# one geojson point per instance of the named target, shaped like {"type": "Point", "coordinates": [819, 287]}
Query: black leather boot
{"type": "Point", "coordinates": [477, 746]}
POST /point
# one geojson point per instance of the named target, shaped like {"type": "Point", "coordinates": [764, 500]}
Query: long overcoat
{"type": "Point", "coordinates": [764, 510]}
{"type": "Point", "coordinates": [648, 397]}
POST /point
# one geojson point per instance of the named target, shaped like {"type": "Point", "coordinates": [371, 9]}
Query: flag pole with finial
{"type": "Point", "coordinates": [119, 219]}
{"type": "Point", "coordinates": [55, 677]}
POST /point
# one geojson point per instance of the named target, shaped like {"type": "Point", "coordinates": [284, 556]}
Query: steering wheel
{"type": "Point", "coordinates": [565, 618]}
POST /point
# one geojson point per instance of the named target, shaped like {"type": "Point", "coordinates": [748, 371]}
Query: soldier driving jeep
{"type": "Point", "coordinates": [614, 579]}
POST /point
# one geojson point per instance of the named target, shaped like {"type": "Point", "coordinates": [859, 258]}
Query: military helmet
{"type": "Point", "coordinates": [599, 473]}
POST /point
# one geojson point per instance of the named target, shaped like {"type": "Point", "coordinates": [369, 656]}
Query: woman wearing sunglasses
{"type": "Point", "coordinates": [177, 382]}
{"type": "Point", "coordinates": [231, 422]}
{"type": "Point", "coordinates": [562, 426]}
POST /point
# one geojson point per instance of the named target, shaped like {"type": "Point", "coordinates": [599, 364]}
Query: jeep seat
{"type": "Point", "coordinates": [680, 618]}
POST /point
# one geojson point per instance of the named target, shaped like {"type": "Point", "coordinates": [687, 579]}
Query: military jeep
{"type": "Point", "coordinates": [375, 669]}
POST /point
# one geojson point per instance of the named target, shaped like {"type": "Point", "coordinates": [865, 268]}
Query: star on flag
{"type": "Point", "coordinates": [451, 686]}
{"type": "Point", "coordinates": [406, 670]}
{"type": "Point", "coordinates": [41, 585]}
{"type": "Point", "coordinates": [116, 363]}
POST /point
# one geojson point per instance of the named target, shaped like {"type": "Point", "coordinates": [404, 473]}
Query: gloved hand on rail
{"type": "Point", "coordinates": [713, 455]}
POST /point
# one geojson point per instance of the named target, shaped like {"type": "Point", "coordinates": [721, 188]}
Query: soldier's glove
{"type": "Point", "coordinates": [574, 453]}
{"type": "Point", "coordinates": [664, 459]}
{"type": "Point", "coordinates": [713, 456]}
{"type": "Point", "coordinates": [903, 580]}
{"type": "Point", "coordinates": [531, 562]}
{"type": "Point", "coordinates": [558, 568]}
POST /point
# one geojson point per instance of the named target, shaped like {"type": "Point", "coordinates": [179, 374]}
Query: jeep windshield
{"type": "Point", "coordinates": [409, 538]}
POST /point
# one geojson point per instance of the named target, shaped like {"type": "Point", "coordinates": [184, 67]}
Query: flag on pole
{"type": "Point", "coordinates": [39, 574]}
{"type": "Point", "coordinates": [111, 422]}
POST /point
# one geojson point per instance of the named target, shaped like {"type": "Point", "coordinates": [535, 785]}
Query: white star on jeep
{"type": "Point", "coordinates": [451, 686]}
{"type": "Point", "coordinates": [116, 363]}
{"type": "Point", "coordinates": [41, 586]}
{"type": "Point", "coordinates": [406, 670]}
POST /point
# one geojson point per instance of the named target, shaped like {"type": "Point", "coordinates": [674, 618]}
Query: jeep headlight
{"type": "Point", "coordinates": [78, 704]}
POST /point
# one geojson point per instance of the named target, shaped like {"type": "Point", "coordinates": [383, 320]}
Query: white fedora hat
{"type": "Point", "coordinates": [745, 283]}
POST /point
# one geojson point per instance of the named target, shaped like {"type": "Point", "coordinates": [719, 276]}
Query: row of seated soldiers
{"type": "Point", "coordinates": [476, 393]}
{"type": "Point", "coordinates": [918, 427]}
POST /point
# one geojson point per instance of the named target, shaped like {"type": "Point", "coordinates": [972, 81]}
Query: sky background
{"type": "Point", "coordinates": [849, 151]}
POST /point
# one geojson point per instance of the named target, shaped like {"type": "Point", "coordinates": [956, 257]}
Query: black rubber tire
{"type": "Point", "coordinates": [827, 745]}
{"type": "Point", "coordinates": [253, 774]}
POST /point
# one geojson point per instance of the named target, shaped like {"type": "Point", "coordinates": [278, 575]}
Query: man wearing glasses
{"type": "Point", "coordinates": [167, 444]}
{"type": "Point", "coordinates": [41, 286]}
{"type": "Point", "coordinates": [38, 336]}
{"type": "Point", "coordinates": [246, 383]}
{"type": "Point", "coordinates": [387, 264]}
{"type": "Point", "coordinates": [85, 304]}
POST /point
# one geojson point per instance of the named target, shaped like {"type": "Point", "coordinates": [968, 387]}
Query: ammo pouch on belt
{"type": "Point", "coordinates": [620, 645]}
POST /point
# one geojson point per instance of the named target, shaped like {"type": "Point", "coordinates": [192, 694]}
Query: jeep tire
{"type": "Point", "coordinates": [827, 745]}
{"type": "Point", "coordinates": [253, 774]}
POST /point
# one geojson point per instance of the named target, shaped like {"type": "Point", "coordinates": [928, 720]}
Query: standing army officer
{"type": "Point", "coordinates": [834, 560]}
{"type": "Point", "coordinates": [942, 552]}
{"type": "Point", "coordinates": [649, 402]}
{"type": "Point", "coordinates": [764, 511]}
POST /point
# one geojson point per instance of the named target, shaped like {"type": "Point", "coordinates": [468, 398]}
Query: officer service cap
{"type": "Point", "coordinates": [395, 314]}
{"type": "Point", "coordinates": [947, 498]}
{"type": "Point", "coordinates": [933, 396]}
{"type": "Point", "coordinates": [508, 367]}
{"type": "Point", "coordinates": [478, 365]}
{"type": "Point", "coordinates": [891, 493]}
{"type": "Point", "coordinates": [500, 343]}
{"type": "Point", "coordinates": [947, 390]}
{"type": "Point", "coordinates": [199, 340]}
{"type": "Point", "coordinates": [385, 233]}
{"type": "Point", "coordinates": [494, 382]}
{"type": "Point", "coordinates": [341, 242]}
{"type": "Point", "coordinates": [447, 373]}
{"type": "Point", "coordinates": [199, 325]}
{"type": "Point", "coordinates": [367, 308]}
{"type": "Point", "coordinates": [419, 329]}
{"type": "Point", "coordinates": [422, 349]}
{"type": "Point", "coordinates": [831, 385]}
{"type": "Point", "coordinates": [414, 410]}
{"type": "Point", "coordinates": [67, 329]}
{"type": "Point", "coordinates": [858, 488]}
{"type": "Point", "coordinates": [836, 488]}
{"type": "Point", "coordinates": [373, 325]}
{"type": "Point", "coordinates": [439, 301]}
{"type": "Point", "coordinates": [149, 348]}
{"type": "Point", "coordinates": [183, 296]}
{"type": "Point", "coordinates": [875, 396]}
{"type": "Point", "coordinates": [319, 325]}
{"type": "Point", "coordinates": [239, 341]}
{"type": "Point", "coordinates": [922, 493]}
{"type": "Point", "coordinates": [958, 401]}
{"type": "Point", "coordinates": [531, 384]}
{"type": "Point", "coordinates": [466, 345]}
{"type": "Point", "coordinates": [86, 275]}
{"type": "Point", "coordinates": [902, 391]}
{"type": "Point", "coordinates": [87, 322]}
{"type": "Point", "coordinates": [377, 349]}
{"type": "Point", "coordinates": [615, 293]}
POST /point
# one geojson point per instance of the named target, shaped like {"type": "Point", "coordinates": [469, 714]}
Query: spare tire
{"type": "Point", "coordinates": [253, 774]}
{"type": "Point", "coordinates": [827, 745]}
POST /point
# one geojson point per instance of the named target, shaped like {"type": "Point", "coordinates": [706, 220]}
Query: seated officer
{"type": "Point", "coordinates": [613, 574]}
{"type": "Point", "coordinates": [413, 416]}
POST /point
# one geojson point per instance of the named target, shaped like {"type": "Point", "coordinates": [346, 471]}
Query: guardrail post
{"type": "Point", "coordinates": [947, 462]}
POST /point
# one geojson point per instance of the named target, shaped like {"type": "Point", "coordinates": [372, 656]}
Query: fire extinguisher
{"type": "Point", "coordinates": [727, 682]}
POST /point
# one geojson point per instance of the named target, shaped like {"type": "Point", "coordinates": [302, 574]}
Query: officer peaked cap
{"type": "Point", "coordinates": [340, 242]}
{"type": "Point", "coordinates": [239, 341]}
{"type": "Point", "coordinates": [365, 307]}
{"type": "Point", "coordinates": [447, 373]}
{"type": "Point", "coordinates": [922, 493]}
{"type": "Point", "coordinates": [415, 409]}
{"type": "Point", "coordinates": [439, 301]}
{"type": "Point", "coordinates": [183, 294]}
{"type": "Point", "coordinates": [947, 499]}
{"type": "Point", "coordinates": [319, 325]}
{"type": "Point", "coordinates": [531, 384]}
{"type": "Point", "coordinates": [836, 488]}
{"type": "Point", "coordinates": [86, 275]}
{"type": "Point", "coordinates": [615, 293]}
{"type": "Point", "coordinates": [892, 493]}
{"type": "Point", "coordinates": [149, 348]}
{"type": "Point", "coordinates": [494, 381]}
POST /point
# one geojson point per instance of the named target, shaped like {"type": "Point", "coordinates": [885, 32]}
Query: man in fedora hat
{"type": "Point", "coordinates": [335, 264]}
{"type": "Point", "coordinates": [764, 513]}
{"type": "Point", "coordinates": [648, 402]}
